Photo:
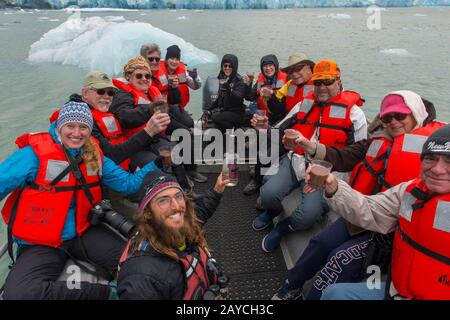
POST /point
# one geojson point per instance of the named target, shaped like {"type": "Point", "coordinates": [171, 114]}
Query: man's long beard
{"type": "Point", "coordinates": [171, 237]}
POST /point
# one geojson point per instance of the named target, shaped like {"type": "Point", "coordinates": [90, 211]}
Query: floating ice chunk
{"type": "Point", "coordinates": [115, 18]}
{"type": "Point", "coordinates": [43, 18]}
{"type": "Point", "coordinates": [54, 20]}
{"type": "Point", "coordinates": [77, 9]}
{"type": "Point", "coordinates": [339, 16]}
{"type": "Point", "coordinates": [143, 14]}
{"type": "Point", "coordinates": [198, 11]}
{"type": "Point", "coordinates": [420, 15]}
{"type": "Point", "coordinates": [396, 52]}
{"type": "Point", "coordinates": [182, 18]}
{"type": "Point", "coordinates": [95, 43]}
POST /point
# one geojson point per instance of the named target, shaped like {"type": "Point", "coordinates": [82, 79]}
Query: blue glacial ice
{"type": "Point", "coordinates": [223, 4]}
{"type": "Point", "coordinates": [96, 43]}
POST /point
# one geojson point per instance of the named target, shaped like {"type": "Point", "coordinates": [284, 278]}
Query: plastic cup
{"type": "Point", "coordinates": [166, 153]}
{"type": "Point", "coordinates": [261, 119]}
{"type": "Point", "coordinates": [251, 76]}
{"type": "Point", "coordinates": [230, 170]}
{"type": "Point", "coordinates": [289, 139]}
{"type": "Point", "coordinates": [161, 108]}
{"type": "Point", "coordinates": [320, 169]}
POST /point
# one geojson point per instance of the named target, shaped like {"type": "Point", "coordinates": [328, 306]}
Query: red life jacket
{"type": "Point", "coordinates": [384, 164]}
{"type": "Point", "coordinates": [421, 251]}
{"type": "Point", "coordinates": [296, 94]}
{"type": "Point", "coordinates": [332, 120]}
{"type": "Point", "coordinates": [406, 149]}
{"type": "Point", "coordinates": [42, 207]}
{"type": "Point", "coordinates": [367, 174]}
{"type": "Point", "coordinates": [162, 83]}
{"type": "Point", "coordinates": [139, 98]}
{"type": "Point", "coordinates": [262, 82]}
{"type": "Point", "coordinates": [197, 280]}
{"type": "Point", "coordinates": [110, 128]}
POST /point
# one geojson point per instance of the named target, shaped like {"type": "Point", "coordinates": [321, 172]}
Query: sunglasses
{"type": "Point", "coordinates": [140, 75]}
{"type": "Point", "coordinates": [397, 116]}
{"type": "Point", "coordinates": [298, 68]}
{"type": "Point", "coordinates": [101, 92]}
{"type": "Point", "coordinates": [226, 65]}
{"type": "Point", "coordinates": [151, 59]}
{"type": "Point", "coordinates": [326, 82]}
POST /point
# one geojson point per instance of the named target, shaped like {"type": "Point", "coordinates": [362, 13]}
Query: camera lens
{"type": "Point", "coordinates": [120, 223]}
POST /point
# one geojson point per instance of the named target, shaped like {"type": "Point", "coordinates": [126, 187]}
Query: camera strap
{"type": "Point", "coordinates": [78, 175]}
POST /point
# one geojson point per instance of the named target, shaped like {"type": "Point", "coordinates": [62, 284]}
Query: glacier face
{"type": "Point", "coordinates": [106, 44]}
{"type": "Point", "coordinates": [221, 4]}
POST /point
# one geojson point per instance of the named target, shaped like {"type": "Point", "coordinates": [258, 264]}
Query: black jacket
{"type": "Point", "coordinates": [154, 276]}
{"type": "Point", "coordinates": [122, 151]}
{"type": "Point", "coordinates": [231, 93]}
{"type": "Point", "coordinates": [277, 109]}
{"type": "Point", "coordinates": [129, 115]}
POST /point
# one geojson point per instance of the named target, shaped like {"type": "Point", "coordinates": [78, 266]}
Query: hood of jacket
{"type": "Point", "coordinates": [415, 104]}
{"type": "Point", "coordinates": [229, 58]}
{"type": "Point", "coordinates": [270, 58]}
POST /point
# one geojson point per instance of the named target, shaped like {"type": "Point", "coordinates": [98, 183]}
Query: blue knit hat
{"type": "Point", "coordinates": [74, 112]}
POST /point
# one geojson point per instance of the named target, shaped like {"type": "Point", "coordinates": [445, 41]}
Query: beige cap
{"type": "Point", "coordinates": [97, 80]}
{"type": "Point", "coordinates": [296, 59]}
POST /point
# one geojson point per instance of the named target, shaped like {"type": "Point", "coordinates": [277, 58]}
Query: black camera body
{"type": "Point", "coordinates": [103, 212]}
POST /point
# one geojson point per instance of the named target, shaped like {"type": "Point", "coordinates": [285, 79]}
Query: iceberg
{"type": "Point", "coordinates": [396, 52]}
{"type": "Point", "coordinates": [106, 44]}
{"type": "Point", "coordinates": [221, 4]}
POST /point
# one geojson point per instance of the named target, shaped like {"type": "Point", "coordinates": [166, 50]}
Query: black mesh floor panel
{"type": "Point", "coordinates": [254, 274]}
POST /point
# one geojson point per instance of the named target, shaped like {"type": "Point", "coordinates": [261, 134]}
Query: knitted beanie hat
{"type": "Point", "coordinates": [138, 62]}
{"type": "Point", "coordinates": [438, 142]}
{"type": "Point", "coordinates": [74, 112]}
{"type": "Point", "coordinates": [173, 52]}
{"type": "Point", "coordinates": [155, 182]}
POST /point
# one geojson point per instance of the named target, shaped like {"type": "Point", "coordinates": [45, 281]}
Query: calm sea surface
{"type": "Point", "coordinates": [410, 51]}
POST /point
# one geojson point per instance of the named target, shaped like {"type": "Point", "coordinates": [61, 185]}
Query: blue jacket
{"type": "Point", "coordinates": [21, 168]}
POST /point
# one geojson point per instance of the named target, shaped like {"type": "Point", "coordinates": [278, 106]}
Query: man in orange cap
{"type": "Point", "coordinates": [327, 115]}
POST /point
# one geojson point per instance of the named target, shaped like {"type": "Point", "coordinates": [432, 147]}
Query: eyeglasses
{"type": "Point", "coordinates": [100, 92]}
{"type": "Point", "coordinates": [165, 201]}
{"type": "Point", "coordinates": [140, 75]}
{"type": "Point", "coordinates": [151, 59]}
{"type": "Point", "coordinates": [326, 82]}
{"type": "Point", "coordinates": [397, 116]}
{"type": "Point", "coordinates": [227, 65]}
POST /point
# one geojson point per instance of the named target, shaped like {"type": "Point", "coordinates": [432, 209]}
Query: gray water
{"type": "Point", "coordinates": [30, 92]}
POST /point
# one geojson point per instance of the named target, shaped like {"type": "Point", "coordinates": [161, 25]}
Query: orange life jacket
{"type": "Point", "coordinates": [110, 128]}
{"type": "Point", "coordinates": [139, 98]}
{"type": "Point", "coordinates": [197, 278]}
{"type": "Point", "coordinates": [262, 82]}
{"type": "Point", "coordinates": [162, 83]}
{"type": "Point", "coordinates": [296, 94]}
{"type": "Point", "coordinates": [384, 164]}
{"type": "Point", "coordinates": [332, 119]}
{"type": "Point", "coordinates": [406, 149]}
{"type": "Point", "coordinates": [39, 210]}
{"type": "Point", "coordinates": [421, 251]}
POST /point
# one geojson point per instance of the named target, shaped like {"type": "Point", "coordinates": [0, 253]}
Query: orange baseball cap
{"type": "Point", "coordinates": [326, 69]}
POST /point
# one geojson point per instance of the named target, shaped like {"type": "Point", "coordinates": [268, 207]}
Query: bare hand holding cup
{"type": "Point", "coordinates": [221, 183]}
{"type": "Point", "coordinates": [157, 123]}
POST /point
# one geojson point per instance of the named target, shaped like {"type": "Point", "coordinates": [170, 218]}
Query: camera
{"type": "Point", "coordinates": [103, 212]}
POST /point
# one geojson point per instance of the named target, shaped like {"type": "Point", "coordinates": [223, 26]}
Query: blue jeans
{"type": "Point", "coordinates": [337, 256]}
{"type": "Point", "coordinates": [278, 186]}
{"type": "Point", "coordinates": [353, 291]}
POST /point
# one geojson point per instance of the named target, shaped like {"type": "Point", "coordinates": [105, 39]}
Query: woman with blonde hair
{"type": "Point", "coordinates": [55, 179]}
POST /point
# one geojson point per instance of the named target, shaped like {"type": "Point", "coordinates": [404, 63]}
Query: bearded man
{"type": "Point", "coordinates": [168, 258]}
